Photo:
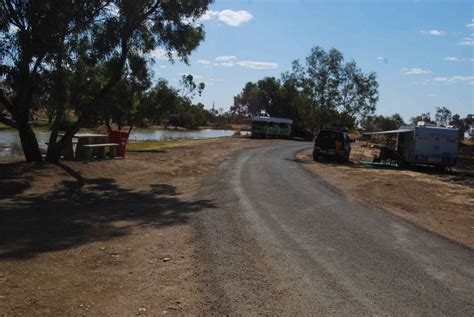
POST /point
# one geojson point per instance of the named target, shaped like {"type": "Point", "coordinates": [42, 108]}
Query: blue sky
{"type": "Point", "coordinates": [422, 51]}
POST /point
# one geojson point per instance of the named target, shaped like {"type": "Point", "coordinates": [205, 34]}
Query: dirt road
{"type": "Point", "coordinates": [281, 240]}
{"type": "Point", "coordinates": [111, 237]}
{"type": "Point", "coordinates": [154, 234]}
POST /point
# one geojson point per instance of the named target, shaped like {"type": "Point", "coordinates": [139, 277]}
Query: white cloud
{"type": "Point", "coordinates": [227, 64]}
{"type": "Point", "coordinates": [456, 78]}
{"type": "Point", "coordinates": [209, 15]}
{"type": "Point", "coordinates": [421, 83]}
{"type": "Point", "coordinates": [434, 32]}
{"type": "Point", "coordinates": [162, 54]}
{"type": "Point", "coordinates": [415, 71]}
{"type": "Point", "coordinates": [257, 65]}
{"type": "Point", "coordinates": [470, 25]}
{"type": "Point", "coordinates": [225, 58]}
{"type": "Point", "coordinates": [231, 60]}
{"type": "Point", "coordinates": [467, 41]}
{"type": "Point", "coordinates": [451, 59]}
{"type": "Point", "coordinates": [203, 61]}
{"type": "Point", "coordinates": [380, 58]}
{"type": "Point", "coordinates": [234, 18]}
{"type": "Point", "coordinates": [229, 17]}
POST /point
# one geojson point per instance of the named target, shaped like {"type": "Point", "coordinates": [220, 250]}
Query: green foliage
{"type": "Point", "coordinates": [160, 102]}
{"type": "Point", "coordinates": [424, 117]}
{"type": "Point", "coordinates": [189, 88]}
{"type": "Point", "coordinates": [324, 91]}
{"type": "Point", "coordinates": [87, 48]}
{"type": "Point", "coordinates": [66, 123]}
{"type": "Point", "coordinates": [382, 123]}
{"type": "Point", "coordinates": [248, 102]}
{"type": "Point", "coordinates": [443, 116]}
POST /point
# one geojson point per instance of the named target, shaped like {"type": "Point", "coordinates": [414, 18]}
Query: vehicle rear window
{"type": "Point", "coordinates": [327, 139]}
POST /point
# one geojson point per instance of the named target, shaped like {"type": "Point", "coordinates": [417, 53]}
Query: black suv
{"type": "Point", "coordinates": [332, 143]}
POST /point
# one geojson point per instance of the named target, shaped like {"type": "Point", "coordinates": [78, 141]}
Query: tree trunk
{"type": "Point", "coordinates": [108, 126]}
{"type": "Point", "coordinates": [29, 143]}
{"type": "Point", "coordinates": [54, 152]}
{"type": "Point", "coordinates": [55, 149]}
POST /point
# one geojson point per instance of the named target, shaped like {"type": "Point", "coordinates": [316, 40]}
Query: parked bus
{"type": "Point", "coordinates": [271, 127]}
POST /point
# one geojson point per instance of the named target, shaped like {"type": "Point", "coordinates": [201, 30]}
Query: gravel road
{"type": "Point", "coordinates": [280, 240]}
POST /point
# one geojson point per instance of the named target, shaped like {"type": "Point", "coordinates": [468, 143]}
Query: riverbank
{"type": "Point", "coordinates": [111, 237]}
{"type": "Point", "coordinates": [10, 145]}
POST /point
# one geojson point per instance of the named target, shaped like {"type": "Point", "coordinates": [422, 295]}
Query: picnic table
{"type": "Point", "coordinates": [88, 144]}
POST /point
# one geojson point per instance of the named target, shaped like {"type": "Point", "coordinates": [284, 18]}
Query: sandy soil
{"type": "Point", "coordinates": [441, 202]}
{"type": "Point", "coordinates": [109, 237]}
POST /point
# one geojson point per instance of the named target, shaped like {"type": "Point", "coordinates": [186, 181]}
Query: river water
{"type": "Point", "coordinates": [10, 145]}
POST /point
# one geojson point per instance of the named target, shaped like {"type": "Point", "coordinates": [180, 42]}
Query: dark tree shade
{"type": "Point", "coordinates": [87, 46]}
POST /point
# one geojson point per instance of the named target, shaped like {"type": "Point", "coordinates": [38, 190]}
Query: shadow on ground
{"type": "Point", "coordinates": [85, 210]}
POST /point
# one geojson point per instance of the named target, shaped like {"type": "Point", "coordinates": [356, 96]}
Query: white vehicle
{"type": "Point", "coordinates": [423, 144]}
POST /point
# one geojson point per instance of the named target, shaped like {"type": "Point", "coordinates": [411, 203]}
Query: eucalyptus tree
{"type": "Point", "coordinates": [337, 90]}
{"type": "Point", "coordinates": [443, 116]}
{"type": "Point", "coordinates": [32, 35]}
{"type": "Point", "coordinates": [88, 46]}
{"type": "Point", "coordinates": [324, 90]}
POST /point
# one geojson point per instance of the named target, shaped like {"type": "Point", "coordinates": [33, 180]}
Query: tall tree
{"type": "Point", "coordinates": [161, 101]}
{"type": "Point", "coordinates": [443, 116]}
{"type": "Point", "coordinates": [46, 35]}
{"type": "Point", "coordinates": [338, 91]}
{"type": "Point", "coordinates": [325, 90]}
{"type": "Point", "coordinates": [382, 123]}
{"type": "Point", "coordinates": [32, 33]}
{"type": "Point", "coordinates": [189, 87]}
{"type": "Point", "coordinates": [248, 102]}
{"type": "Point", "coordinates": [424, 117]}
{"type": "Point", "coordinates": [461, 124]}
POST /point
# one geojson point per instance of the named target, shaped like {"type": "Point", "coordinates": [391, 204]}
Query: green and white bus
{"type": "Point", "coordinates": [271, 127]}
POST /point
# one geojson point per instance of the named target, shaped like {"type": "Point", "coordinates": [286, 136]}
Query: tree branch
{"type": "Point", "coordinates": [14, 18]}
{"type": "Point", "coordinates": [8, 122]}
{"type": "Point", "coordinates": [152, 9]}
{"type": "Point", "coordinates": [4, 100]}
{"type": "Point", "coordinates": [38, 62]}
